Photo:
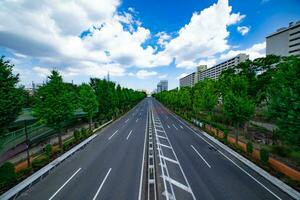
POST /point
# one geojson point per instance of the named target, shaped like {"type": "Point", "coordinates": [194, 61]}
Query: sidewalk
{"type": "Point", "coordinates": [18, 154]}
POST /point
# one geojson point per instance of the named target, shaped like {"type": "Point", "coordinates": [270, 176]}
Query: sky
{"type": "Point", "coordinates": [137, 42]}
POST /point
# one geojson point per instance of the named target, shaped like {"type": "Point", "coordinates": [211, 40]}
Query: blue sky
{"type": "Point", "coordinates": [137, 42]}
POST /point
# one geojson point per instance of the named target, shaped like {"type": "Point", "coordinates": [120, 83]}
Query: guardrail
{"type": "Point", "coordinates": [34, 178]}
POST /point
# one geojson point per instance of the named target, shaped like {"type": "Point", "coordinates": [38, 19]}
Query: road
{"type": "Point", "coordinates": [190, 166]}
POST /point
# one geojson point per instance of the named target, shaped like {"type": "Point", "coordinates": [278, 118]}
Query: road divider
{"type": "Point", "coordinates": [200, 156]}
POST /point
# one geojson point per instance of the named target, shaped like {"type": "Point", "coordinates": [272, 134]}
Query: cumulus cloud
{"type": "Point", "coordinates": [142, 74]}
{"type": "Point", "coordinates": [204, 36]}
{"type": "Point", "coordinates": [243, 30]}
{"type": "Point", "coordinates": [255, 51]}
{"type": "Point", "coordinates": [115, 40]}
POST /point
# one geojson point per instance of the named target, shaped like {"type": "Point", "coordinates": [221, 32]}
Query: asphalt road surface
{"type": "Point", "coordinates": [190, 165]}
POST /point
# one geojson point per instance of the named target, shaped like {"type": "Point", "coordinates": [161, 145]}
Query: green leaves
{"type": "Point", "coordinates": [205, 96]}
{"type": "Point", "coordinates": [54, 101]}
{"type": "Point", "coordinates": [284, 100]}
{"type": "Point", "coordinates": [88, 100]}
{"type": "Point", "coordinates": [11, 96]}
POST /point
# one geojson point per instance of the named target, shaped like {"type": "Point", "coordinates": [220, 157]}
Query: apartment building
{"type": "Point", "coordinates": [285, 41]}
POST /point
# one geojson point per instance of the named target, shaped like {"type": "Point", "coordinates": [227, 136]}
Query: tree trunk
{"type": "Point", "coordinates": [237, 134]}
{"type": "Point", "coordinates": [90, 123]}
{"type": "Point", "coordinates": [60, 139]}
{"type": "Point", "coordinates": [27, 145]}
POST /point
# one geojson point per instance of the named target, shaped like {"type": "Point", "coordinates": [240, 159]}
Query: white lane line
{"type": "Point", "coordinates": [169, 159]}
{"type": "Point", "coordinates": [181, 127]}
{"type": "Point", "coordinates": [227, 158]}
{"type": "Point", "coordinates": [250, 175]}
{"type": "Point", "coordinates": [178, 184]}
{"type": "Point", "coordinates": [163, 137]}
{"type": "Point", "coordinates": [126, 121]}
{"type": "Point", "coordinates": [64, 184]}
{"type": "Point", "coordinates": [163, 145]}
{"type": "Point", "coordinates": [113, 134]}
{"type": "Point", "coordinates": [102, 184]}
{"type": "Point", "coordinates": [137, 120]}
{"type": "Point", "coordinates": [175, 127]}
{"type": "Point", "coordinates": [168, 126]}
{"type": "Point", "coordinates": [143, 160]}
{"type": "Point", "coordinates": [201, 156]}
{"type": "Point", "coordinates": [128, 135]}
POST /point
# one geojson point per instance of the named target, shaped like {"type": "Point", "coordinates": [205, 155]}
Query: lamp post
{"type": "Point", "coordinates": [25, 117]}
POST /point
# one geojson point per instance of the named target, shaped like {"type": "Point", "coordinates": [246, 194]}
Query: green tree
{"type": "Point", "coordinates": [11, 96]}
{"type": "Point", "coordinates": [53, 105]}
{"type": "Point", "coordinates": [284, 100]}
{"type": "Point", "coordinates": [237, 105]}
{"type": "Point", "coordinates": [88, 101]}
{"type": "Point", "coordinates": [205, 97]}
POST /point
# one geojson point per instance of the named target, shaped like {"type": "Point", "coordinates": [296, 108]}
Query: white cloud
{"type": "Point", "coordinates": [142, 74]}
{"type": "Point", "coordinates": [163, 76]}
{"type": "Point", "coordinates": [52, 28]}
{"type": "Point", "coordinates": [243, 29]}
{"type": "Point", "coordinates": [255, 51]}
{"type": "Point", "coordinates": [42, 71]}
{"type": "Point", "coordinates": [204, 36]}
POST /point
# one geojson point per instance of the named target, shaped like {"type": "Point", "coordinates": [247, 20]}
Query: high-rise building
{"type": "Point", "coordinates": [162, 86]}
{"type": "Point", "coordinates": [285, 41]}
{"type": "Point", "coordinates": [191, 79]}
{"type": "Point", "coordinates": [215, 71]}
{"type": "Point", "coordinates": [188, 81]}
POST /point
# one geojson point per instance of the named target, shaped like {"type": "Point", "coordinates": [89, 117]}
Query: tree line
{"type": "Point", "coordinates": [268, 87]}
{"type": "Point", "coordinates": [55, 101]}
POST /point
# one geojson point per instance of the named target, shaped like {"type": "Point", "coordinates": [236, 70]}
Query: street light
{"type": "Point", "coordinates": [25, 117]}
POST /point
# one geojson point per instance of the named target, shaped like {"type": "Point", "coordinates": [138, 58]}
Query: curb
{"type": "Point", "coordinates": [275, 181]}
{"type": "Point", "coordinates": [40, 174]}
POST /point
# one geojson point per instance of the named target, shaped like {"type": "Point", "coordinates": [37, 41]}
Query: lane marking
{"type": "Point", "coordinates": [95, 197]}
{"type": "Point", "coordinates": [163, 145]}
{"type": "Point", "coordinates": [168, 126]}
{"type": "Point", "coordinates": [178, 184]}
{"type": "Point", "coordinates": [181, 127]}
{"type": "Point", "coordinates": [64, 184]}
{"type": "Point", "coordinates": [249, 175]}
{"type": "Point", "coordinates": [126, 121]}
{"type": "Point", "coordinates": [163, 137]}
{"type": "Point", "coordinates": [175, 127]}
{"type": "Point", "coordinates": [129, 135]}
{"type": "Point", "coordinates": [201, 156]}
{"type": "Point", "coordinates": [169, 159]}
{"type": "Point", "coordinates": [137, 120]}
{"type": "Point", "coordinates": [113, 134]}
{"type": "Point", "coordinates": [143, 160]}
{"type": "Point", "coordinates": [226, 157]}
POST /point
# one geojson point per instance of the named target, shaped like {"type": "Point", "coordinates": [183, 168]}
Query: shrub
{"type": "Point", "coordinates": [281, 150]}
{"type": "Point", "coordinates": [23, 172]}
{"type": "Point", "coordinates": [249, 147]}
{"type": "Point", "coordinates": [39, 162]}
{"type": "Point", "coordinates": [68, 144]}
{"type": "Point", "coordinates": [77, 135]}
{"type": "Point", "coordinates": [7, 174]}
{"type": "Point", "coordinates": [264, 155]}
{"type": "Point", "coordinates": [48, 150]}
{"type": "Point", "coordinates": [83, 133]}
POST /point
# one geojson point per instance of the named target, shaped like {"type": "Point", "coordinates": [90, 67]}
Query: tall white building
{"type": "Point", "coordinates": [191, 79]}
{"type": "Point", "coordinates": [285, 41]}
{"type": "Point", "coordinates": [215, 71]}
{"type": "Point", "coordinates": [162, 86]}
